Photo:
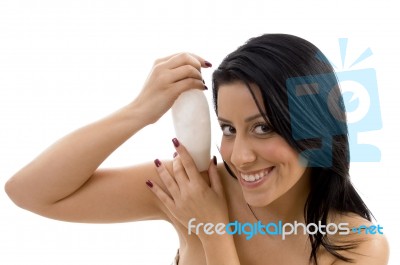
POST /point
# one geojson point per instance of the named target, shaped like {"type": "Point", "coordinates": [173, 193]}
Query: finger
{"type": "Point", "coordinates": [185, 71]}
{"type": "Point", "coordinates": [167, 179]}
{"type": "Point", "coordinates": [187, 84]}
{"type": "Point", "coordinates": [179, 172]}
{"type": "Point", "coordinates": [215, 179]}
{"type": "Point", "coordinates": [204, 63]}
{"type": "Point", "coordinates": [187, 58]}
{"type": "Point", "coordinates": [164, 59]}
{"type": "Point", "coordinates": [187, 161]}
{"type": "Point", "coordinates": [161, 195]}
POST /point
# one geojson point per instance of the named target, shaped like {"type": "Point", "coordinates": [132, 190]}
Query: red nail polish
{"type": "Point", "coordinates": [149, 184]}
{"type": "Point", "coordinates": [157, 162]}
{"type": "Point", "coordinates": [215, 160]}
{"type": "Point", "coordinates": [175, 142]}
{"type": "Point", "coordinates": [208, 64]}
{"type": "Point", "coordinates": [175, 154]}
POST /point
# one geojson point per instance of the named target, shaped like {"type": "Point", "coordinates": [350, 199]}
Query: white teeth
{"type": "Point", "coordinates": [255, 177]}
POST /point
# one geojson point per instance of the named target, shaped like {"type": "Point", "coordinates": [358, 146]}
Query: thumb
{"type": "Point", "coordinates": [215, 180]}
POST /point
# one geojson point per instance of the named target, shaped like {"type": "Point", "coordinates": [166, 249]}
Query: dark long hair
{"type": "Point", "coordinates": [304, 105]}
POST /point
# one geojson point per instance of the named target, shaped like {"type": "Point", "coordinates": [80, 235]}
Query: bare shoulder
{"type": "Point", "coordinates": [371, 245]}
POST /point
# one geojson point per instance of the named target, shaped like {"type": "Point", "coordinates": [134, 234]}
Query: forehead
{"type": "Point", "coordinates": [236, 97]}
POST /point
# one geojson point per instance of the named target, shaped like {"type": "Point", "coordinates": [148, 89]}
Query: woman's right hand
{"type": "Point", "coordinates": [169, 77]}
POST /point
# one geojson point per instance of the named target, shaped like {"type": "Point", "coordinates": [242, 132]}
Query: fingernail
{"type": "Point", "coordinates": [149, 184]}
{"type": "Point", "coordinates": [203, 81]}
{"type": "Point", "coordinates": [205, 88]}
{"type": "Point", "coordinates": [215, 160]}
{"type": "Point", "coordinates": [175, 142]}
{"type": "Point", "coordinates": [208, 64]}
{"type": "Point", "coordinates": [157, 162]}
{"type": "Point", "coordinates": [175, 154]}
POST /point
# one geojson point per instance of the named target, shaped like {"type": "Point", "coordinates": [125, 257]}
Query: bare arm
{"type": "Point", "coordinates": [64, 182]}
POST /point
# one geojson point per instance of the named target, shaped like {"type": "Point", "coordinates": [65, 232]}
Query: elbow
{"type": "Point", "coordinates": [10, 190]}
{"type": "Point", "coordinates": [22, 198]}
{"type": "Point", "coordinates": [14, 193]}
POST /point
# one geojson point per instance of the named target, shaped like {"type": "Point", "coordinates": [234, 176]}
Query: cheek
{"type": "Point", "coordinates": [290, 160]}
{"type": "Point", "coordinates": [278, 151]}
{"type": "Point", "coordinates": [226, 150]}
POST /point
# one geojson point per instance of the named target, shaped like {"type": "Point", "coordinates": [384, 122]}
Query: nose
{"type": "Point", "coordinates": [242, 153]}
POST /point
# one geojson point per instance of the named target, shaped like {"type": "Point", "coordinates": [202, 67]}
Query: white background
{"type": "Point", "coordinates": [64, 64]}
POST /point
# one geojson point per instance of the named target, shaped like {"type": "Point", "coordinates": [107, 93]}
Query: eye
{"type": "Point", "coordinates": [262, 129]}
{"type": "Point", "coordinates": [227, 130]}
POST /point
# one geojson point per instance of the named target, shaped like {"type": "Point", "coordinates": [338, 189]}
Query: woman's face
{"type": "Point", "coordinates": [266, 166]}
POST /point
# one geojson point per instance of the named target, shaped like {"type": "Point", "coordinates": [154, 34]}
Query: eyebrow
{"type": "Point", "coordinates": [248, 119]}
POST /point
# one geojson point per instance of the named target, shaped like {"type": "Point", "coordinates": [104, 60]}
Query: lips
{"type": "Point", "coordinates": [254, 179]}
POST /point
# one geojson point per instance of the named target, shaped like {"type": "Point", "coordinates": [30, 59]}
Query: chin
{"type": "Point", "coordinates": [256, 201]}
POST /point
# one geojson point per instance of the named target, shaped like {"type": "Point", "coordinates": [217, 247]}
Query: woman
{"type": "Point", "coordinates": [272, 171]}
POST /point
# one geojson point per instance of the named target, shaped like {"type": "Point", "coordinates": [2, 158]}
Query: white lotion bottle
{"type": "Point", "coordinates": [191, 118]}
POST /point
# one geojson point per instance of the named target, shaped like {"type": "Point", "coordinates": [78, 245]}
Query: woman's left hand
{"type": "Point", "coordinates": [190, 195]}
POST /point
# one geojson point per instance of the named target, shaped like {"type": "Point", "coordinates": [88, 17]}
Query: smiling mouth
{"type": "Point", "coordinates": [256, 176]}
